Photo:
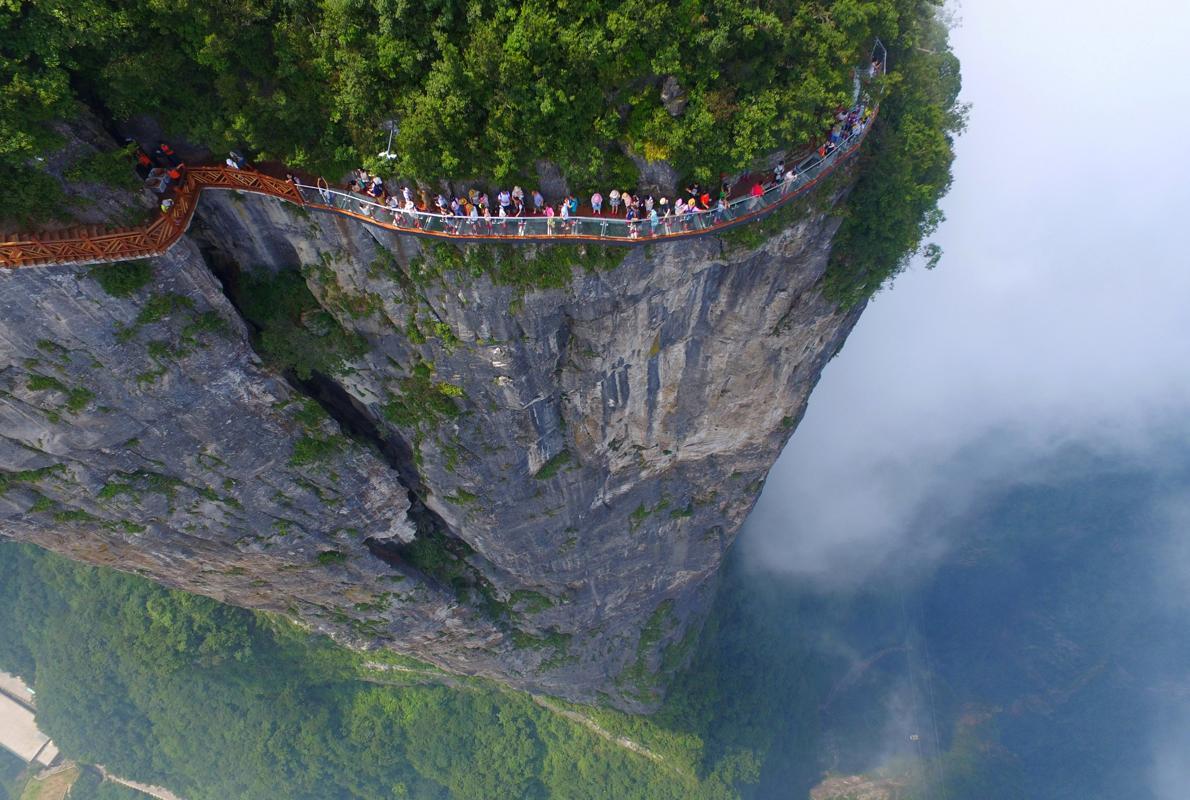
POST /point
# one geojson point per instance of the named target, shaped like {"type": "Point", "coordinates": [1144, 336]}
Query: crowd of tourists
{"type": "Point", "coordinates": [476, 211]}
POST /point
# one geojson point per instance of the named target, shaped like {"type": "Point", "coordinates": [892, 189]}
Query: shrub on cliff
{"type": "Point", "coordinates": [294, 331]}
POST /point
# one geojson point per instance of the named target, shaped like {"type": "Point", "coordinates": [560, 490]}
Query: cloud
{"type": "Point", "coordinates": [1058, 315]}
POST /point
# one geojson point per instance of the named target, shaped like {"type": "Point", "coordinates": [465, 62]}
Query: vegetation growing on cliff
{"type": "Point", "coordinates": [123, 278]}
{"type": "Point", "coordinates": [295, 332]}
{"type": "Point", "coordinates": [906, 169]}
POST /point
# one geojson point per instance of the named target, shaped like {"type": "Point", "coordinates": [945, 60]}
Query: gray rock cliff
{"type": "Point", "coordinates": [532, 473]}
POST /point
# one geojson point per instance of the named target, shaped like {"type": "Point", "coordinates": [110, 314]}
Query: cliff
{"type": "Point", "coordinates": [529, 468]}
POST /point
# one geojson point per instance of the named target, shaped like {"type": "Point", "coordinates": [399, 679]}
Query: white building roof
{"type": "Point", "coordinates": [18, 730]}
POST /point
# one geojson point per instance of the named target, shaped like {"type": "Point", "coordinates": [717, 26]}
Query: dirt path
{"type": "Point", "coordinates": [598, 729]}
{"type": "Point", "coordinates": [544, 702]}
{"type": "Point", "coordinates": [160, 792]}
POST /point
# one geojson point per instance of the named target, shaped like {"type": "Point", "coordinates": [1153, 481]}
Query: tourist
{"type": "Point", "coordinates": [504, 198]}
{"type": "Point", "coordinates": [538, 202]}
{"type": "Point", "coordinates": [597, 204]}
{"type": "Point", "coordinates": [720, 210]}
{"type": "Point", "coordinates": [573, 201]}
{"type": "Point", "coordinates": [757, 194]}
{"type": "Point", "coordinates": [779, 171]}
{"type": "Point", "coordinates": [171, 157]}
{"type": "Point", "coordinates": [231, 162]}
{"type": "Point", "coordinates": [518, 205]}
{"type": "Point", "coordinates": [614, 199]}
{"type": "Point", "coordinates": [166, 205]}
{"type": "Point", "coordinates": [654, 220]}
{"type": "Point", "coordinates": [144, 164]}
{"type": "Point", "coordinates": [788, 180]}
{"type": "Point", "coordinates": [564, 212]}
{"type": "Point", "coordinates": [549, 220]}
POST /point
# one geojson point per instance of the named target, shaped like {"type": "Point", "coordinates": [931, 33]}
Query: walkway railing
{"type": "Point", "coordinates": [96, 245]}
{"type": "Point", "coordinates": [608, 229]}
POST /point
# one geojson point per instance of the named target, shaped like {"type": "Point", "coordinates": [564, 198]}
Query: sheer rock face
{"type": "Point", "coordinates": [612, 435]}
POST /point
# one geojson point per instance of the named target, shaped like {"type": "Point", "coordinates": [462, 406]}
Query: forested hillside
{"type": "Point", "coordinates": [216, 702]}
{"type": "Point", "coordinates": [481, 87]}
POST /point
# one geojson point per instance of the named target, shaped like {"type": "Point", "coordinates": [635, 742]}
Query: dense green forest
{"type": "Point", "coordinates": [481, 88]}
{"type": "Point", "coordinates": [217, 702]}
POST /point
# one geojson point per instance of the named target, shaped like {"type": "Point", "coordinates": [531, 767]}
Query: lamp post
{"type": "Point", "coordinates": [392, 126]}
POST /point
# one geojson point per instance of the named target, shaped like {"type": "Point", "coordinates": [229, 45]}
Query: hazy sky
{"type": "Point", "coordinates": [1060, 312]}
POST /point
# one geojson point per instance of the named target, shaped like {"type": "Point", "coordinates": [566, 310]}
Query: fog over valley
{"type": "Point", "coordinates": [1048, 354]}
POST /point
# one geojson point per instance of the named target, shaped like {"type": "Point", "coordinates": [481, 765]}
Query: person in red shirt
{"type": "Point", "coordinates": [757, 193]}
{"type": "Point", "coordinates": [169, 154]}
{"type": "Point", "coordinates": [144, 164]}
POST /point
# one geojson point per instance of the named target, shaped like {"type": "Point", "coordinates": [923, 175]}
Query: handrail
{"type": "Point", "coordinates": [612, 230]}
{"type": "Point", "coordinates": [92, 245]}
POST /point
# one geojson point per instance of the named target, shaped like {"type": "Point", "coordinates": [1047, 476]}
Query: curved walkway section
{"type": "Point", "coordinates": [93, 245]}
